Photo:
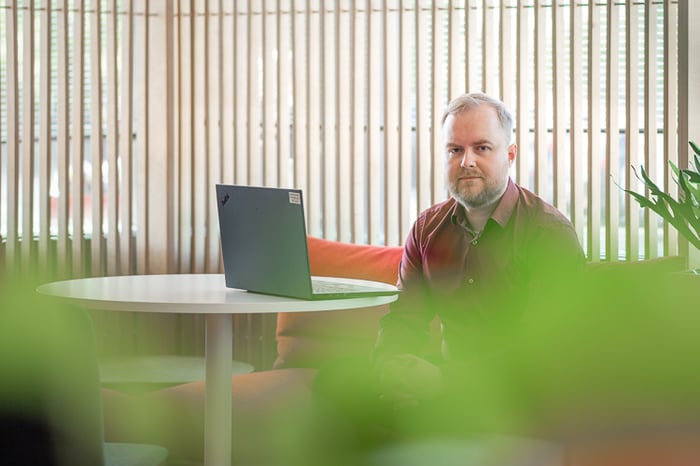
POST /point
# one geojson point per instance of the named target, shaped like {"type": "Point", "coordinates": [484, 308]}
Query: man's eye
{"type": "Point", "coordinates": [483, 148]}
{"type": "Point", "coordinates": [454, 151]}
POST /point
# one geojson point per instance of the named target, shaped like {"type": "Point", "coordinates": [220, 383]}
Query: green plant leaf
{"type": "Point", "coordinates": [682, 213]}
{"type": "Point", "coordinates": [695, 147]}
{"type": "Point", "coordinates": [648, 182]}
{"type": "Point", "coordinates": [693, 176]}
{"type": "Point", "coordinates": [696, 156]}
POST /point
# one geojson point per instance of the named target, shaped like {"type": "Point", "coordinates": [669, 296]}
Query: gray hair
{"type": "Point", "coordinates": [466, 102]}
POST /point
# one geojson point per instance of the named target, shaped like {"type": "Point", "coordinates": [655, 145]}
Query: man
{"type": "Point", "coordinates": [478, 260]}
{"type": "Point", "coordinates": [481, 261]}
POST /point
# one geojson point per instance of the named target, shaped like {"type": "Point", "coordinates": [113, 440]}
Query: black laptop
{"type": "Point", "coordinates": [264, 246]}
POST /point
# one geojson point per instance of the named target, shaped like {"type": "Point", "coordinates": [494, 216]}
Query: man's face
{"type": "Point", "coordinates": [478, 156]}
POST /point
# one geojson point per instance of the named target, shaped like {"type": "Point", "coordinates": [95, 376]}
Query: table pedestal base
{"type": "Point", "coordinates": [217, 427]}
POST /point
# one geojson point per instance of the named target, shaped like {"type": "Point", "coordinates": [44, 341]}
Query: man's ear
{"type": "Point", "coordinates": [512, 153]}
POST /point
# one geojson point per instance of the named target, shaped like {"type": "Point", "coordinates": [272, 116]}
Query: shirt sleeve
{"type": "Point", "coordinates": [406, 328]}
{"type": "Point", "coordinates": [556, 264]}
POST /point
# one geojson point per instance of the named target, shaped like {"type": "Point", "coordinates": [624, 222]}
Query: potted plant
{"type": "Point", "coordinates": [682, 213]}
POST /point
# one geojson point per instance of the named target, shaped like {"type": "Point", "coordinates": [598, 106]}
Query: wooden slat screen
{"type": "Point", "coordinates": [117, 117]}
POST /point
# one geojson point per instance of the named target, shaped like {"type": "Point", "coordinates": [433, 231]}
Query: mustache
{"type": "Point", "coordinates": [470, 173]}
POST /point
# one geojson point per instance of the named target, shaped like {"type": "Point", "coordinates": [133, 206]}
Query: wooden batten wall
{"type": "Point", "coordinates": [117, 117]}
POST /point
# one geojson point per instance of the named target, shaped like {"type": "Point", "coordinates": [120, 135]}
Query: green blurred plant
{"type": "Point", "coordinates": [682, 213]}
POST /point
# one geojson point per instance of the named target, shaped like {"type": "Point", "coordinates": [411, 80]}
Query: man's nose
{"type": "Point", "coordinates": [468, 160]}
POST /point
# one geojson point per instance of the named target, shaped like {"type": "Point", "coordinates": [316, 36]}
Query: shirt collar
{"type": "Point", "coordinates": [501, 213]}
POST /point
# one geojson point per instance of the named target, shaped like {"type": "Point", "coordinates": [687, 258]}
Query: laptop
{"type": "Point", "coordinates": [264, 246]}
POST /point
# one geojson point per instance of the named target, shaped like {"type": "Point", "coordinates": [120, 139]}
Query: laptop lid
{"type": "Point", "coordinates": [263, 240]}
{"type": "Point", "coordinates": [264, 245]}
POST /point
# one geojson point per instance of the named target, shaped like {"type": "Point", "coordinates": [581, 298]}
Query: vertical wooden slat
{"type": "Point", "coordinates": [650, 125]}
{"type": "Point", "coordinates": [423, 149]}
{"type": "Point", "coordinates": [126, 154]}
{"type": "Point", "coordinates": [329, 155]}
{"type": "Point", "coordinates": [141, 78]}
{"type": "Point", "coordinates": [177, 146]}
{"type": "Point", "coordinates": [299, 45]}
{"type": "Point", "coordinates": [373, 108]}
{"type": "Point", "coordinates": [96, 148]}
{"type": "Point", "coordinates": [45, 99]}
{"type": "Point", "coordinates": [560, 102]}
{"type": "Point", "coordinates": [160, 138]}
{"type": "Point", "coordinates": [391, 15]}
{"type": "Point", "coordinates": [283, 73]}
{"type": "Point", "coordinates": [541, 152]}
{"type": "Point", "coordinates": [594, 181]}
{"type": "Point", "coordinates": [489, 45]}
{"type": "Point", "coordinates": [62, 140]}
{"type": "Point", "coordinates": [228, 96]}
{"type": "Point", "coordinates": [3, 207]}
{"type": "Point", "coordinates": [344, 118]}
{"type": "Point", "coordinates": [242, 89]}
{"type": "Point", "coordinates": [358, 144]}
{"type": "Point", "coordinates": [577, 154]}
{"type": "Point", "coordinates": [77, 134]}
{"type": "Point", "coordinates": [12, 144]}
{"type": "Point", "coordinates": [269, 95]}
{"type": "Point", "coordinates": [313, 192]}
{"type": "Point", "coordinates": [522, 136]}
{"type": "Point", "coordinates": [406, 202]}
{"type": "Point", "coordinates": [612, 131]}
{"type": "Point", "coordinates": [28, 132]}
{"type": "Point", "coordinates": [255, 159]}
{"type": "Point", "coordinates": [200, 141]}
{"type": "Point", "coordinates": [670, 67]}
{"type": "Point", "coordinates": [437, 97]}
{"type": "Point", "coordinates": [214, 135]}
{"type": "Point", "coordinates": [180, 152]}
{"type": "Point", "coordinates": [112, 140]}
{"type": "Point", "coordinates": [456, 77]}
{"type": "Point", "coordinates": [632, 143]}
{"type": "Point", "coordinates": [471, 54]}
{"type": "Point", "coordinates": [202, 147]}
{"type": "Point", "coordinates": [506, 53]}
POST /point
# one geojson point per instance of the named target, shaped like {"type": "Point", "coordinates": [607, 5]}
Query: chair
{"type": "Point", "coordinates": [50, 400]}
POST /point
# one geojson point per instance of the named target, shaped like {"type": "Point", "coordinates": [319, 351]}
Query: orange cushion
{"type": "Point", "coordinates": [337, 259]}
{"type": "Point", "coordinates": [308, 339]}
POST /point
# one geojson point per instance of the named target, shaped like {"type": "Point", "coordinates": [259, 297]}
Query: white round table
{"type": "Point", "coordinates": [200, 294]}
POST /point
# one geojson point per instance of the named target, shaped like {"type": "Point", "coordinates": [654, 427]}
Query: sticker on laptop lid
{"type": "Point", "coordinates": [294, 198]}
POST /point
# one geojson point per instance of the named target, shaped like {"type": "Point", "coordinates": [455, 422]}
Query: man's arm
{"type": "Point", "coordinates": [404, 377]}
{"type": "Point", "coordinates": [406, 328]}
{"type": "Point", "coordinates": [556, 263]}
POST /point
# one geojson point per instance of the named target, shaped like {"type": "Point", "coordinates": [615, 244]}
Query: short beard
{"type": "Point", "coordinates": [486, 196]}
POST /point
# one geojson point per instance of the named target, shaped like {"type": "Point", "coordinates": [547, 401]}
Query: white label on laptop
{"type": "Point", "coordinates": [294, 198]}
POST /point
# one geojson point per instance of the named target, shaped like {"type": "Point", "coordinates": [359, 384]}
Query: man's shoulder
{"type": "Point", "coordinates": [538, 209]}
{"type": "Point", "coordinates": [543, 224]}
{"type": "Point", "coordinates": [552, 244]}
